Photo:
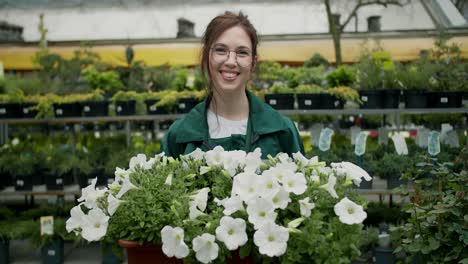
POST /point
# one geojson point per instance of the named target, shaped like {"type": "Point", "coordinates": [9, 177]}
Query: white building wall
{"type": "Point", "coordinates": [160, 21]}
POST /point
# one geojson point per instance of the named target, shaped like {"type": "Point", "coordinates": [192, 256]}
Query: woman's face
{"type": "Point", "coordinates": [231, 62]}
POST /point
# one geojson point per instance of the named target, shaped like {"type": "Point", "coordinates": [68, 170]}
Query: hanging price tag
{"type": "Point", "coordinates": [451, 139]}
{"type": "Point", "coordinates": [360, 146]}
{"type": "Point", "coordinates": [47, 225]}
{"type": "Point", "coordinates": [421, 137]}
{"type": "Point", "coordinates": [325, 139]}
{"type": "Point", "coordinates": [400, 144]}
{"type": "Point", "coordinates": [383, 136]}
{"type": "Point", "coordinates": [433, 143]}
{"type": "Point", "coordinates": [315, 134]}
{"type": "Point", "coordinates": [355, 130]}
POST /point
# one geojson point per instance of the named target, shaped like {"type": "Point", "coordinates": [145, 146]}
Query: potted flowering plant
{"type": "Point", "coordinates": [225, 205]}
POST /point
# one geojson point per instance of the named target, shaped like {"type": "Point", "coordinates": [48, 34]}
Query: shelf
{"type": "Point", "coordinates": [286, 112]}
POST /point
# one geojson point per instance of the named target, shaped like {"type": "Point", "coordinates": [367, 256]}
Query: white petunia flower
{"type": "Point", "coordinates": [246, 186]}
{"type": "Point", "coordinates": [197, 154]}
{"type": "Point", "coordinates": [231, 205]}
{"type": "Point", "coordinates": [283, 157]}
{"type": "Point", "coordinates": [126, 186]}
{"type": "Point", "coordinates": [139, 160]}
{"type": "Point", "coordinates": [215, 157]}
{"type": "Point", "coordinates": [173, 244]}
{"type": "Point", "coordinates": [233, 160]}
{"type": "Point", "coordinates": [280, 199]}
{"type": "Point", "coordinates": [121, 174]}
{"type": "Point", "coordinates": [232, 232]}
{"type": "Point", "coordinates": [268, 185]}
{"type": "Point", "coordinates": [94, 225]}
{"type": "Point", "coordinates": [168, 180]}
{"type": "Point", "coordinates": [279, 172]}
{"type": "Point", "coordinates": [76, 219]}
{"type": "Point", "coordinates": [201, 198]}
{"type": "Point", "coordinates": [295, 183]}
{"type": "Point", "coordinates": [306, 206]}
{"type": "Point", "coordinates": [301, 159]}
{"type": "Point", "coordinates": [205, 247]}
{"type": "Point", "coordinates": [253, 161]}
{"type": "Point", "coordinates": [15, 141]}
{"type": "Point", "coordinates": [90, 194]}
{"type": "Point", "coordinates": [349, 212]}
{"type": "Point", "coordinates": [112, 204]}
{"type": "Point", "coordinates": [193, 210]}
{"type": "Point", "coordinates": [260, 211]}
{"type": "Point", "coordinates": [352, 171]}
{"type": "Point", "coordinates": [271, 239]}
{"type": "Point", "coordinates": [330, 186]}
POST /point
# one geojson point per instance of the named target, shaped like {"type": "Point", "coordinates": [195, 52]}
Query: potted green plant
{"type": "Point", "coordinates": [188, 100]}
{"type": "Point", "coordinates": [309, 96]}
{"type": "Point", "coordinates": [279, 96]}
{"type": "Point", "coordinates": [95, 104]}
{"type": "Point", "coordinates": [416, 79]}
{"type": "Point", "coordinates": [20, 161]}
{"type": "Point", "coordinates": [106, 81]}
{"type": "Point", "coordinates": [10, 104]}
{"type": "Point", "coordinates": [392, 167]}
{"type": "Point", "coordinates": [345, 93]}
{"type": "Point", "coordinates": [369, 80]}
{"type": "Point", "coordinates": [157, 200]}
{"type": "Point", "coordinates": [434, 228]}
{"type": "Point", "coordinates": [59, 165]}
{"type": "Point", "coordinates": [450, 76]}
{"type": "Point", "coordinates": [128, 103]}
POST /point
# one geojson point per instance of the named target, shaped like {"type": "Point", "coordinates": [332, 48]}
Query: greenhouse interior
{"type": "Point", "coordinates": [227, 131]}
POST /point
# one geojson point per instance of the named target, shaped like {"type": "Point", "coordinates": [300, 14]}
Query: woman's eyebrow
{"type": "Point", "coordinates": [238, 47]}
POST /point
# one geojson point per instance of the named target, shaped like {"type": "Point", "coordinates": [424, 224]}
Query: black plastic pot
{"type": "Point", "coordinates": [10, 110]}
{"type": "Point", "coordinates": [329, 101]}
{"type": "Point", "coordinates": [5, 251]}
{"type": "Point", "coordinates": [6, 180]}
{"type": "Point", "coordinates": [391, 99]}
{"type": "Point", "coordinates": [186, 104]}
{"type": "Point", "coordinates": [371, 99]}
{"type": "Point", "coordinates": [67, 110]}
{"type": "Point", "coordinates": [364, 185]}
{"type": "Point", "coordinates": [151, 109]}
{"type": "Point", "coordinates": [54, 182]}
{"type": "Point", "coordinates": [52, 253]}
{"type": "Point", "coordinates": [125, 108]}
{"type": "Point", "coordinates": [445, 99]}
{"type": "Point", "coordinates": [95, 108]}
{"type": "Point", "coordinates": [384, 255]}
{"type": "Point", "coordinates": [164, 125]}
{"type": "Point", "coordinates": [309, 101]}
{"type": "Point", "coordinates": [394, 182]}
{"type": "Point", "coordinates": [108, 256]}
{"type": "Point", "coordinates": [23, 183]}
{"type": "Point", "coordinates": [415, 99]}
{"type": "Point", "coordinates": [280, 101]}
{"type": "Point", "coordinates": [27, 111]}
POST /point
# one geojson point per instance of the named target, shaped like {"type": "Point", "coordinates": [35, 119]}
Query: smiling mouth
{"type": "Point", "coordinates": [229, 76]}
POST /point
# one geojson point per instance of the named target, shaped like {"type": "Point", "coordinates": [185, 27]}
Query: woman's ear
{"type": "Point", "coordinates": [254, 64]}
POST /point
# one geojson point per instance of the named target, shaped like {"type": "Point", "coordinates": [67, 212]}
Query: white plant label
{"type": "Point", "coordinates": [364, 98]}
{"type": "Point", "coordinates": [355, 130]}
{"type": "Point", "coordinates": [400, 144]}
{"type": "Point", "coordinates": [433, 143]}
{"type": "Point", "coordinates": [325, 139]}
{"type": "Point", "coordinates": [87, 108]}
{"type": "Point", "coordinates": [421, 137]}
{"type": "Point", "coordinates": [383, 136]}
{"type": "Point", "coordinates": [360, 146]}
{"type": "Point", "coordinates": [451, 139]}
{"type": "Point", "coordinates": [308, 102]}
{"type": "Point", "coordinates": [272, 101]}
{"type": "Point", "coordinates": [315, 134]}
{"type": "Point", "coordinates": [47, 225]}
{"type": "Point", "coordinates": [182, 106]}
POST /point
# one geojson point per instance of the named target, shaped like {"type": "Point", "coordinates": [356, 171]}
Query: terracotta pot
{"type": "Point", "coordinates": [146, 253]}
{"type": "Point", "coordinates": [151, 253]}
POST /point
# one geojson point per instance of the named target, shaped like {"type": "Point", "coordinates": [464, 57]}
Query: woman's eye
{"type": "Point", "coordinates": [220, 50]}
{"type": "Point", "coordinates": [243, 53]}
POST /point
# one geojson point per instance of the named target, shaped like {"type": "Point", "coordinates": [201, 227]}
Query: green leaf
{"type": "Point", "coordinates": [245, 250]}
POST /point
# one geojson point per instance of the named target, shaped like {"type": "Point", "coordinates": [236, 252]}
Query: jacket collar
{"type": "Point", "coordinates": [263, 118]}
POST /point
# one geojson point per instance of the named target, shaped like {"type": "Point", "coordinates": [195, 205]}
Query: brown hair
{"type": "Point", "coordinates": [215, 29]}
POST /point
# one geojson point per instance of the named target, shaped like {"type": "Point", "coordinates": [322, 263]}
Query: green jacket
{"type": "Point", "coordinates": [267, 129]}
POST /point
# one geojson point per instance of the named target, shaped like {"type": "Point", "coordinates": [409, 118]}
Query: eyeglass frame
{"type": "Point", "coordinates": [235, 51]}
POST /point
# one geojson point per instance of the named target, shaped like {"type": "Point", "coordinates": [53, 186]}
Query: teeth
{"type": "Point", "coordinates": [229, 75]}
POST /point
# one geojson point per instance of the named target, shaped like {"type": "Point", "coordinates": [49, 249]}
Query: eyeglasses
{"type": "Point", "coordinates": [221, 54]}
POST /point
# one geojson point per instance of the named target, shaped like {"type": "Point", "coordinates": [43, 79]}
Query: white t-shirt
{"type": "Point", "coordinates": [220, 127]}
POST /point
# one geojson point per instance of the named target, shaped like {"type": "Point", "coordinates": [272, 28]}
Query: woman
{"type": "Point", "coordinates": [231, 116]}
